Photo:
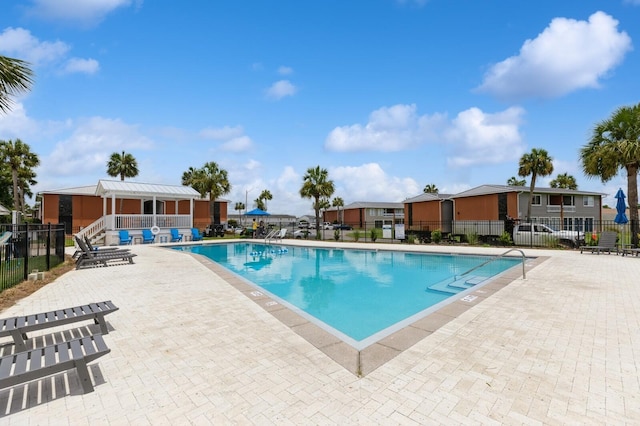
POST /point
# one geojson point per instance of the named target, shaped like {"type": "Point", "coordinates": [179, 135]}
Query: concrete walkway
{"type": "Point", "coordinates": [562, 346]}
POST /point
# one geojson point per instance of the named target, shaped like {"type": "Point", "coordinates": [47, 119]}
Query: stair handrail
{"type": "Point", "coordinates": [493, 259]}
{"type": "Point", "coordinates": [93, 229]}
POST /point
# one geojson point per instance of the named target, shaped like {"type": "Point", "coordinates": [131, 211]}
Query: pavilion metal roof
{"type": "Point", "coordinates": [147, 190]}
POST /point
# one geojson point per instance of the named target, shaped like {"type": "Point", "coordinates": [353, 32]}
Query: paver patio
{"type": "Point", "coordinates": [561, 346]}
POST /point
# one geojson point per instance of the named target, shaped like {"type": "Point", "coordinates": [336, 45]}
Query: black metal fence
{"type": "Point", "coordinates": [493, 233]}
{"type": "Point", "coordinates": [29, 248]}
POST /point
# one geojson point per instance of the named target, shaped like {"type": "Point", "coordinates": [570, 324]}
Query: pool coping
{"type": "Point", "coordinates": [363, 362]}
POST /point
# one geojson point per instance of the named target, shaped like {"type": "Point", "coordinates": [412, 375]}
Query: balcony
{"type": "Point", "coordinates": [556, 209]}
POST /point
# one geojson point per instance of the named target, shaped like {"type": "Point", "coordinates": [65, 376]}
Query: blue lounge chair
{"type": "Point", "coordinates": [175, 235]}
{"type": "Point", "coordinates": [125, 238]}
{"type": "Point", "coordinates": [196, 236]}
{"type": "Point", "coordinates": [147, 236]}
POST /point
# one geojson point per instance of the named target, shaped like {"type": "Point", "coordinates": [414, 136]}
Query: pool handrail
{"type": "Point", "coordinates": [524, 275]}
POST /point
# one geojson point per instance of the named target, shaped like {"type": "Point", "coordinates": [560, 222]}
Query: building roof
{"type": "Point", "coordinates": [4, 210]}
{"type": "Point", "coordinates": [369, 205]}
{"type": "Point", "coordinates": [499, 189]}
{"type": "Point", "coordinates": [137, 189]}
{"type": "Point", "coordinates": [427, 197]}
{"type": "Point", "coordinates": [78, 190]}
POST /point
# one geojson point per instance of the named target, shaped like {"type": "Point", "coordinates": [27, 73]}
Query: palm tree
{"type": "Point", "coordinates": [15, 77]}
{"type": "Point", "coordinates": [430, 188]}
{"type": "Point", "coordinates": [565, 181]}
{"type": "Point", "coordinates": [615, 145]}
{"type": "Point", "coordinates": [338, 202]}
{"type": "Point", "coordinates": [535, 163]}
{"type": "Point", "coordinates": [21, 161]}
{"type": "Point", "coordinates": [124, 165]}
{"type": "Point", "coordinates": [239, 207]}
{"type": "Point", "coordinates": [264, 196]}
{"type": "Point", "coordinates": [210, 179]}
{"type": "Point", "coordinates": [514, 181]}
{"type": "Point", "coordinates": [259, 202]}
{"type": "Point", "coordinates": [316, 185]}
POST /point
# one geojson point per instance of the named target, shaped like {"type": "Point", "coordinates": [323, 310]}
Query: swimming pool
{"type": "Point", "coordinates": [356, 294]}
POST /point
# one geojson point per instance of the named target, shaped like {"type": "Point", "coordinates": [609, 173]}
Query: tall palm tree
{"type": "Point", "coordinates": [536, 163]}
{"type": "Point", "coordinates": [239, 207]}
{"type": "Point", "coordinates": [21, 161]}
{"type": "Point", "coordinates": [430, 188]}
{"type": "Point", "coordinates": [210, 179]}
{"type": "Point", "coordinates": [15, 77]}
{"type": "Point", "coordinates": [565, 181]}
{"type": "Point", "coordinates": [123, 165]}
{"type": "Point", "coordinates": [264, 196]}
{"type": "Point", "coordinates": [316, 185]}
{"type": "Point", "coordinates": [514, 181]}
{"type": "Point", "coordinates": [615, 145]}
{"type": "Point", "coordinates": [338, 202]}
{"type": "Point", "coordinates": [259, 202]}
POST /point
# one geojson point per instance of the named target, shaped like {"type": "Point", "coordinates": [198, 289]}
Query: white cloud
{"type": "Point", "coordinates": [280, 89]}
{"type": "Point", "coordinates": [222, 133]}
{"type": "Point", "coordinates": [285, 70]}
{"type": "Point", "coordinates": [370, 182]}
{"type": "Point", "coordinates": [78, 65]}
{"type": "Point", "coordinates": [83, 12]}
{"type": "Point", "coordinates": [239, 144]}
{"type": "Point", "coordinates": [389, 129]}
{"type": "Point", "coordinates": [90, 145]}
{"type": "Point", "coordinates": [476, 137]}
{"type": "Point", "coordinates": [19, 43]}
{"type": "Point", "coordinates": [568, 55]}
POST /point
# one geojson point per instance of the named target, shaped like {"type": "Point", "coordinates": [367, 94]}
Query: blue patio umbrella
{"type": "Point", "coordinates": [621, 208]}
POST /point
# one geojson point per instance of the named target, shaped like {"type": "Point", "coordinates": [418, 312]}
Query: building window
{"type": "Point", "coordinates": [536, 200]}
{"type": "Point", "coordinates": [588, 201]}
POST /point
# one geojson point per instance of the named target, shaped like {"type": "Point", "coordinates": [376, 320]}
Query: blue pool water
{"type": "Point", "coordinates": [357, 292]}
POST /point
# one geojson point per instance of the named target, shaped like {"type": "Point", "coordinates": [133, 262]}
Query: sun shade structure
{"type": "Point", "coordinates": [257, 212]}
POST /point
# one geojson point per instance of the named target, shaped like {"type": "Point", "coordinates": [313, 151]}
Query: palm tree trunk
{"type": "Point", "coordinates": [16, 196]}
{"type": "Point", "coordinates": [632, 189]}
{"type": "Point", "coordinates": [533, 185]}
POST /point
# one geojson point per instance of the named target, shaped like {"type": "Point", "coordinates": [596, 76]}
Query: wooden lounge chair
{"type": "Point", "coordinates": [37, 363]}
{"type": "Point", "coordinates": [607, 243]}
{"type": "Point", "coordinates": [17, 327]}
{"type": "Point", "coordinates": [90, 258]}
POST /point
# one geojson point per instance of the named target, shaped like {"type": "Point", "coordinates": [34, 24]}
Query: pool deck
{"type": "Point", "coordinates": [561, 346]}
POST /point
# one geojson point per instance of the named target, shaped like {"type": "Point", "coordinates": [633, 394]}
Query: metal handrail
{"type": "Point", "coordinates": [524, 275]}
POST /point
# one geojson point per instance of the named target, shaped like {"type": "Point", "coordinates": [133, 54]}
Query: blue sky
{"type": "Point", "coordinates": [387, 95]}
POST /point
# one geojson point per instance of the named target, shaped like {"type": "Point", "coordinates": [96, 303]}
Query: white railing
{"type": "Point", "coordinates": [92, 230]}
{"type": "Point", "coordinates": [147, 221]}
{"type": "Point", "coordinates": [556, 209]}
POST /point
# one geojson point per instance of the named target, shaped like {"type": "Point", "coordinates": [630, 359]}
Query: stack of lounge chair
{"type": "Point", "coordinates": [87, 257]}
{"type": "Point", "coordinates": [26, 363]}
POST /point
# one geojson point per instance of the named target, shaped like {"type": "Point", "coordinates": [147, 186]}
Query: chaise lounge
{"type": "Point", "coordinates": [606, 243]}
{"type": "Point", "coordinates": [18, 327]}
{"type": "Point", "coordinates": [90, 258]}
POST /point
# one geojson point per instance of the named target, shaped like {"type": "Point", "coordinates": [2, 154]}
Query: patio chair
{"type": "Point", "coordinates": [606, 243]}
{"type": "Point", "coordinates": [175, 235]}
{"type": "Point", "coordinates": [90, 247]}
{"type": "Point", "coordinates": [148, 237]}
{"type": "Point", "coordinates": [195, 234]}
{"type": "Point", "coordinates": [22, 367]}
{"type": "Point", "coordinates": [90, 258]}
{"type": "Point", "coordinates": [125, 238]}
{"type": "Point", "coordinates": [17, 327]}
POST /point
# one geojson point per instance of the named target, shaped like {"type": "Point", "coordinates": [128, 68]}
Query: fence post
{"type": "Point", "coordinates": [26, 251]}
{"type": "Point", "coordinates": [48, 246]}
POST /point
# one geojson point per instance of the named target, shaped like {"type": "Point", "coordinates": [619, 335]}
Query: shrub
{"type": "Point", "coordinates": [505, 239]}
{"type": "Point", "coordinates": [356, 235]}
{"type": "Point", "coordinates": [373, 234]}
{"type": "Point", "coordinates": [472, 238]}
{"type": "Point", "coordinates": [336, 235]}
{"type": "Point", "coordinates": [436, 236]}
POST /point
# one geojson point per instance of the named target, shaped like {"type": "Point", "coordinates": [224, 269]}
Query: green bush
{"type": "Point", "coordinates": [336, 235]}
{"type": "Point", "coordinates": [472, 238]}
{"type": "Point", "coordinates": [436, 236]}
{"type": "Point", "coordinates": [373, 234]}
{"type": "Point", "coordinates": [505, 239]}
{"type": "Point", "coordinates": [356, 235]}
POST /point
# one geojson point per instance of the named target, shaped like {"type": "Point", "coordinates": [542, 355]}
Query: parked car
{"type": "Point", "coordinates": [327, 225]}
{"type": "Point", "coordinates": [304, 234]}
{"type": "Point", "coordinates": [342, 226]}
{"type": "Point", "coordinates": [537, 234]}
